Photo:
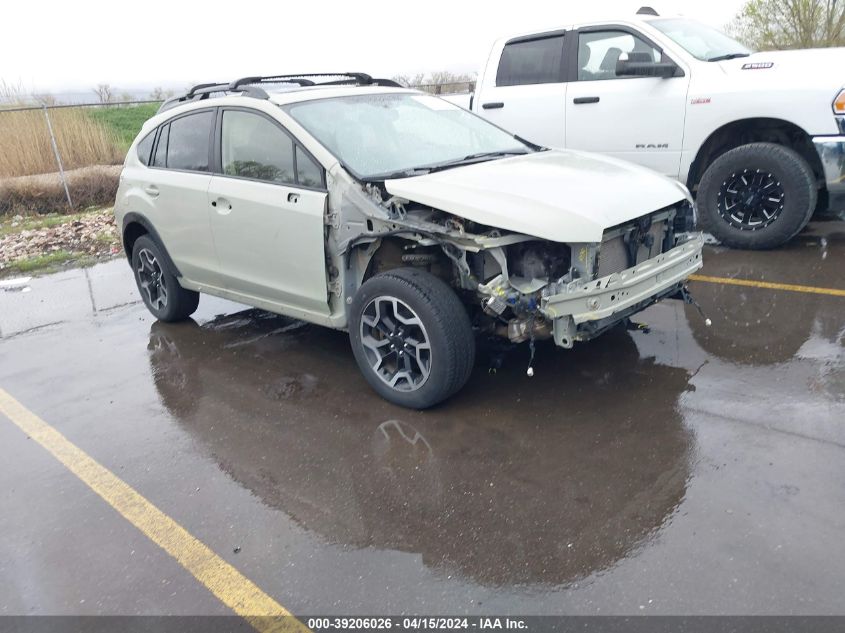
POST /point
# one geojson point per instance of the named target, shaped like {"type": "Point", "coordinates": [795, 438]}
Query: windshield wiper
{"type": "Point", "coordinates": [471, 159]}
{"type": "Point", "coordinates": [513, 152]}
{"type": "Point", "coordinates": [421, 170]}
{"type": "Point", "coordinates": [721, 58]}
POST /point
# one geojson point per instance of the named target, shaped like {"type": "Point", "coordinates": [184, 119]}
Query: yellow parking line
{"type": "Point", "coordinates": [730, 281]}
{"type": "Point", "coordinates": [229, 586]}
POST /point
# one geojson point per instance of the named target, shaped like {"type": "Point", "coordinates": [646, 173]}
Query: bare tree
{"type": "Point", "coordinates": [410, 80]}
{"type": "Point", "coordinates": [104, 93]}
{"type": "Point", "coordinates": [785, 24]}
{"type": "Point", "coordinates": [160, 94]}
{"type": "Point", "coordinates": [442, 81]}
{"type": "Point", "coordinates": [46, 98]}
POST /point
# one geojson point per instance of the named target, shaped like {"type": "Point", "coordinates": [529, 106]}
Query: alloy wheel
{"type": "Point", "coordinates": [151, 279]}
{"type": "Point", "coordinates": [751, 199]}
{"type": "Point", "coordinates": [396, 343]}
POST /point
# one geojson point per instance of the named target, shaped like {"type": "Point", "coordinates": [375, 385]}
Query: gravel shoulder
{"type": "Point", "coordinates": [45, 243]}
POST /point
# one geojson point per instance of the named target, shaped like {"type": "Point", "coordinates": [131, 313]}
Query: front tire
{"type": "Point", "coordinates": [159, 288]}
{"type": "Point", "coordinates": [757, 196]}
{"type": "Point", "coordinates": [411, 337]}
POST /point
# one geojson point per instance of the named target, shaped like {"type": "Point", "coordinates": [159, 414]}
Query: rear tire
{"type": "Point", "coordinates": [159, 288]}
{"type": "Point", "coordinates": [411, 337]}
{"type": "Point", "coordinates": [757, 196]}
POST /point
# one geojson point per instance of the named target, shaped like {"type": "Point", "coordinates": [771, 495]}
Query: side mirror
{"type": "Point", "coordinates": [642, 65]}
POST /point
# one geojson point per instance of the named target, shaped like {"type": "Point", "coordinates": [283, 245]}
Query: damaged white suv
{"type": "Point", "coordinates": [360, 205]}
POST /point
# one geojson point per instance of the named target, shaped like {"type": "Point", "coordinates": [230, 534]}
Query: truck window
{"type": "Point", "coordinates": [598, 52]}
{"type": "Point", "coordinates": [535, 61]}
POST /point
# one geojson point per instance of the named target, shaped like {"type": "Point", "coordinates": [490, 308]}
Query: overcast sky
{"type": "Point", "coordinates": [75, 44]}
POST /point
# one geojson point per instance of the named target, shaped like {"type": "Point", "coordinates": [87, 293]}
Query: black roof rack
{"type": "Point", "coordinates": [250, 86]}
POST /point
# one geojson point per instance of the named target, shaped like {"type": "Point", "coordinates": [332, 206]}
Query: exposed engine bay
{"type": "Point", "coordinates": [522, 287]}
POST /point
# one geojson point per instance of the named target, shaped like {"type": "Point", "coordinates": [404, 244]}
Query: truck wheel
{"type": "Point", "coordinates": [411, 337]}
{"type": "Point", "coordinates": [159, 288]}
{"type": "Point", "coordinates": [757, 196]}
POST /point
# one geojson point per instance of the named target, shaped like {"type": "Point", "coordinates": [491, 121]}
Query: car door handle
{"type": "Point", "coordinates": [151, 190]}
{"type": "Point", "coordinates": [222, 205]}
{"type": "Point", "coordinates": [580, 100]}
{"type": "Point", "coordinates": [493, 105]}
{"type": "Point", "coordinates": [293, 197]}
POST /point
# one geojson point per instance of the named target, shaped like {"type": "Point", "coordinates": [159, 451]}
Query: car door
{"type": "Point", "coordinates": [640, 119]}
{"type": "Point", "coordinates": [527, 95]}
{"type": "Point", "coordinates": [267, 205]}
{"type": "Point", "coordinates": [177, 188]}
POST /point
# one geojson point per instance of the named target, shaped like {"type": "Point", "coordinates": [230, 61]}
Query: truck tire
{"type": "Point", "coordinates": [757, 196]}
{"type": "Point", "coordinates": [411, 337]}
{"type": "Point", "coordinates": [159, 288]}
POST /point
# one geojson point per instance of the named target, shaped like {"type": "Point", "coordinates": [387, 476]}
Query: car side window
{"type": "Point", "coordinates": [599, 51]}
{"type": "Point", "coordinates": [308, 173]}
{"type": "Point", "coordinates": [534, 61]}
{"type": "Point", "coordinates": [188, 141]}
{"type": "Point", "coordinates": [254, 147]}
{"type": "Point", "coordinates": [145, 147]}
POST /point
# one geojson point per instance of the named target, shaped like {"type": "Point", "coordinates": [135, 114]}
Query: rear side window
{"type": "Point", "coordinates": [537, 61]}
{"type": "Point", "coordinates": [160, 158]}
{"type": "Point", "coordinates": [188, 142]}
{"type": "Point", "coordinates": [145, 148]}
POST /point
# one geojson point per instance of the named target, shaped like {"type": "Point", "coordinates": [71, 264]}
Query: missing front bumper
{"type": "Point", "coordinates": [583, 310]}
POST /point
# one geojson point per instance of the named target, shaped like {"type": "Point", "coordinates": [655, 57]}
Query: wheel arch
{"type": "Point", "coordinates": [389, 256]}
{"type": "Point", "coordinates": [754, 130]}
{"type": "Point", "coordinates": [134, 226]}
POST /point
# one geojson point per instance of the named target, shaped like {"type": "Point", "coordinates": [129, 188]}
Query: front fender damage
{"type": "Point", "coordinates": [517, 286]}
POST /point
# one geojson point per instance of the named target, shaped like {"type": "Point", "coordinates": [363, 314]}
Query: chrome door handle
{"type": "Point", "coordinates": [151, 190]}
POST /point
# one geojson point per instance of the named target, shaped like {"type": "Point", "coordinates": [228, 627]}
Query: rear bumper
{"type": "Point", "coordinates": [616, 295]}
{"type": "Point", "coordinates": [831, 151]}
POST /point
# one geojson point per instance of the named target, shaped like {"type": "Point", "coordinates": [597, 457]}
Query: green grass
{"type": "Point", "coordinates": [48, 261]}
{"type": "Point", "coordinates": [32, 222]}
{"type": "Point", "coordinates": [124, 121]}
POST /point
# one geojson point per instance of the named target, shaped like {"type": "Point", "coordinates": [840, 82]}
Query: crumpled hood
{"type": "Point", "coordinates": [822, 66]}
{"type": "Point", "coordinates": [558, 195]}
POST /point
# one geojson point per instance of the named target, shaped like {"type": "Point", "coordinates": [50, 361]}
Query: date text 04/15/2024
{"type": "Point", "coordinates": [416, 623]}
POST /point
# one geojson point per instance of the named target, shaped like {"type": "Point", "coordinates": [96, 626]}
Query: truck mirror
{"type": "Point", "coordinates": [635, 67]}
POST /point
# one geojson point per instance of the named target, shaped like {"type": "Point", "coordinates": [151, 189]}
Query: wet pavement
{"type": "Point", "coordinates": [687, 470]}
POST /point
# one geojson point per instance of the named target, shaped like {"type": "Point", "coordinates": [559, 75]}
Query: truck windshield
{"type": "Point", "coordinates": [700, 41]}
{"type": "Point", "coordinates": [395, 135]}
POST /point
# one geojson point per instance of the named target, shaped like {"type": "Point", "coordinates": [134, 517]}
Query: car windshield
{"type": "Point", "coordinates": [703, 42]}
{"type": "Point", "coordinates": [401, 134]}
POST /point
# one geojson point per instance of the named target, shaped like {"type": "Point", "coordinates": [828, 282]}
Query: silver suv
{"type": "Point", "coordinates": [357, 204]}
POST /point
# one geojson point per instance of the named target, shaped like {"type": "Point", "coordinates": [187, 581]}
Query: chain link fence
{"type": "Point", "coordinates": [67, 156]}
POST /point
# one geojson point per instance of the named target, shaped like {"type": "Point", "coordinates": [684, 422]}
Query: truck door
{"type": "Point", "coordinates": [640, 119]}
{"type": "Point", "coordinates": [525, 93]}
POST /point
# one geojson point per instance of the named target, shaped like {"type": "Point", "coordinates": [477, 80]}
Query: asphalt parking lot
{"type": "Point", "coordinates": [684, 470]}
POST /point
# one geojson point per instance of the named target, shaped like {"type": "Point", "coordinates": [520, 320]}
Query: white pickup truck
{"type": "Point", "coordinates": [759, 138]}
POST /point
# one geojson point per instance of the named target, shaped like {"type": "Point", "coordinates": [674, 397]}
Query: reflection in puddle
{"type": "Point", "coordinates": [514, 482]}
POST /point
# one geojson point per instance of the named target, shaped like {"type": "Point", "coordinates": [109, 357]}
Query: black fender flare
{"type": "Point", "coordinates": [137, 218]}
